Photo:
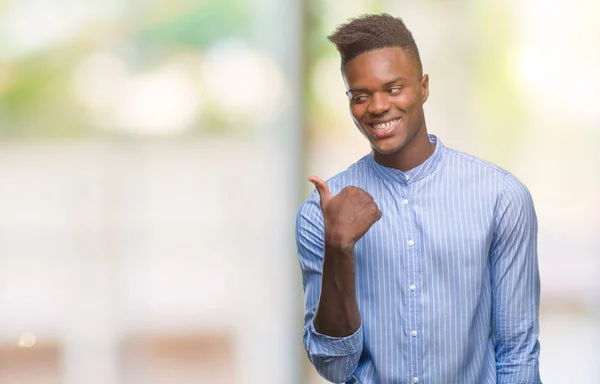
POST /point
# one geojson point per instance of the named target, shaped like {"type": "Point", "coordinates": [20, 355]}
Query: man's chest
{"type": "Point", "coordinates": [417, 232]}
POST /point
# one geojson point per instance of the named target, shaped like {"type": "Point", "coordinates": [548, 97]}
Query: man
{"type": "Point", "coordinates": [419, 262]}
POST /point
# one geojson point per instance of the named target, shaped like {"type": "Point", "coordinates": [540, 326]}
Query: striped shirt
{"type": "Point", "coordinates": [447, 281]}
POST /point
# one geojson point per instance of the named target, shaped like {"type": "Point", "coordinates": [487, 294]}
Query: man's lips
{"type": "Point", "coordinates": [384, 128]}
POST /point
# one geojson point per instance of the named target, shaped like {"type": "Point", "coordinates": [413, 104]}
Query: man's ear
{"type": "Point", "coordinates": [425, 87]}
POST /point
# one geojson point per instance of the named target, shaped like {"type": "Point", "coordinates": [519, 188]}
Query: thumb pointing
{"type": "Point", "coordinates": [323, 190]}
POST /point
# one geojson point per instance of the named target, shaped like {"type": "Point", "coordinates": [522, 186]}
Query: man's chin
{"type": "Point", "coordinates": [385, 148]}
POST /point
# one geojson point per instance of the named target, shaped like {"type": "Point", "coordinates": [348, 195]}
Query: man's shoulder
{"type": "Point", "coordinates": [353, 174]}
{"type": "Point", "coordinates": [502, 178]}
{"type": "Point", "coordinates": [464, 159]}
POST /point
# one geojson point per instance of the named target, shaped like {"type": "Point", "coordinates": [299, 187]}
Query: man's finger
{"type": "Point", "coordinates": [323, 190]}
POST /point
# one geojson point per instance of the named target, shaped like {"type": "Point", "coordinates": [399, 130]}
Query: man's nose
{"type": "Point", "coordinates": [379, 104]}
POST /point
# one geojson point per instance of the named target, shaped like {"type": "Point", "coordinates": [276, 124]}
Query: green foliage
{"type": "Point", "coordinates": [201, 26]}
{"type": "Point", "coordinates": [499, 109]}
{"type": "Point", "coordinates": [38, 102]}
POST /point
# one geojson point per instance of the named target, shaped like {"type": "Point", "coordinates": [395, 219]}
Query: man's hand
{"type": "Point", "coordinates": [348, 215]}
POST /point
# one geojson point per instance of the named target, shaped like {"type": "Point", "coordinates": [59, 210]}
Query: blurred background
{"type": "Point", "coordinates": [153, 155]}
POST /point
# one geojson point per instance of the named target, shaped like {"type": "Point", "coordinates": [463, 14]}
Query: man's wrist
{"type": "Point", "coordinates": [339, 245]}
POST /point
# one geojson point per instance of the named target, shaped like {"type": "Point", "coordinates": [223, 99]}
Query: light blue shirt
{"type": "Point", "coordinates": [447, 281]}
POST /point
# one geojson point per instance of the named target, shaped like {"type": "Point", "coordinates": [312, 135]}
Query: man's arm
{"type": "Point", "coordinates": [515, 285]}
{"type": "Point", "coordinates": [327, 230]}
{"type": "Point", "coordinates": [333, 351]}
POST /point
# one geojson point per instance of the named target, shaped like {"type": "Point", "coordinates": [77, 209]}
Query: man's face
{"type": "Point", "coordinates": [386, 92]}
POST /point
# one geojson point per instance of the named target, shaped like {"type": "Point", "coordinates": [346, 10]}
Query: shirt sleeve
{"type": "Point", "coordinates": [335, 358]}
{"type": "Point", "coordinates": [515, 286]}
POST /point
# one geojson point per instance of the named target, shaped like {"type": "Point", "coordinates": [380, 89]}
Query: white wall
{"type": "Point", "coordinates": [102, 241]}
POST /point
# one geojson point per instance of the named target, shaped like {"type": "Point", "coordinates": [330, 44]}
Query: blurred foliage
{"type": "Point", "coordinates": [36, 102]}
{"type": "Point", "coordinates": [198, 26]}
{"type": "Point", "coordinates": [498, 104]}
{"type": "Point", "coordinates": [36, 98]}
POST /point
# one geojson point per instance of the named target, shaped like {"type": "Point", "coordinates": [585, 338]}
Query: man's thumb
{"type": "Point", "coordinates": [323, 190]}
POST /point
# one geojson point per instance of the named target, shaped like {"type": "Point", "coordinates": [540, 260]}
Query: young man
{"type": "Point", "coordinates": [419, 262]}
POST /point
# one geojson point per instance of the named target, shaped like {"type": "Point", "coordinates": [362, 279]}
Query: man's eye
{"type": "Point", "coordinates": [359, 98]}
{"type": "Point", "coordinates": [394, 91]}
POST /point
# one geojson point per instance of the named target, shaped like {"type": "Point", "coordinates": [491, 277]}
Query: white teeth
{"type": "Point", "coordinates": [386, 125]}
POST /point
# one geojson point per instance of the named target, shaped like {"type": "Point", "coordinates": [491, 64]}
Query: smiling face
{"type": "Point", "coordinates": [387, 91]}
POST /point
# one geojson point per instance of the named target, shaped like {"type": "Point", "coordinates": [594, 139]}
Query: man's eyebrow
{"type": "Point", "coordinates": [389, 83]}
{"type": "Point", "coordinates": [397, 79]}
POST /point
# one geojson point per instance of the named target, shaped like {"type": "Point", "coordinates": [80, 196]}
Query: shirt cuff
{"type": "Point", "coordinates": [329, 346]}
{"type": "Point", "coordinates": [524, 376]}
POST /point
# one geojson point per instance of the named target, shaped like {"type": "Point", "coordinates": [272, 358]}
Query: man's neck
{"type": "Point", "coordinates": [412, 155]}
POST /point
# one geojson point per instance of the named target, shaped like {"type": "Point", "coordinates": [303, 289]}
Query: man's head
{"type": "Point", "coordinates": [384, 80]}
{"type": "Point", "coordinates": [370, 32]}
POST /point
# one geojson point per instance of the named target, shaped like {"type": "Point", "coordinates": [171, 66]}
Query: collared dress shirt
{"type": "Point", "coordinates": [447, 281]}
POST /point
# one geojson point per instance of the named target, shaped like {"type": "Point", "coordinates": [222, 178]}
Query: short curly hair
{"type": "Point", "coordinates": [369, 32]}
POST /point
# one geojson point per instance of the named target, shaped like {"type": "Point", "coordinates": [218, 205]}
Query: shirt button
{"type": "Point", "coordinates": [405, 201]}
{"type": "Point", "coordinates": [411, 242]}
{"type": "Point", "coordinates": [413, 333]}
{"type": "Point", "coordinates": [412, 287]}
{"type": "Point", "coordinates": [415, 380]}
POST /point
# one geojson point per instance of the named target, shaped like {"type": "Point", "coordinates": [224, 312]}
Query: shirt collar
{"type": "Point", "coordinates": [414, 174]}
